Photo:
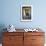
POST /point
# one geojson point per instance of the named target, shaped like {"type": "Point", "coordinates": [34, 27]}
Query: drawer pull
{"type": "Point", "coordinates": [33, 39]}
{"type": "Point", "coordinates": [10, 38]}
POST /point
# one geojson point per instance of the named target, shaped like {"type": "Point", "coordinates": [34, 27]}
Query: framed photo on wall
{"type": "Point", "coordinates": [26, 13]}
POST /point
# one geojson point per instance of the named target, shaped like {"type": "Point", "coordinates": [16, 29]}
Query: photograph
{"type": "Point", "coordinates": [26, 13]}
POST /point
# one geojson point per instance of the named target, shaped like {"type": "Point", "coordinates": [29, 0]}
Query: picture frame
{"type": "Point", "coordinates": [26, 12]}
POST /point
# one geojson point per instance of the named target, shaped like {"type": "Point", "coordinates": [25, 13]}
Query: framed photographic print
{"type": "Point", "coordinates": [26, 13]}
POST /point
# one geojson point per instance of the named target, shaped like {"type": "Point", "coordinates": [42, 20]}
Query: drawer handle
{"type": "Point", "coordinates": [11, 38]}
{"type": "Point", "coordinates": [33, 39]}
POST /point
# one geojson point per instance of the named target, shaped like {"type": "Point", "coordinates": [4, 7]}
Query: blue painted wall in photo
{"type": "Point", "coordinates": [10, 13]}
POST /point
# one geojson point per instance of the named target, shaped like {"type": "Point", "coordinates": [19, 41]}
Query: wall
{"type": "Point", "coordinates": [10, 13]}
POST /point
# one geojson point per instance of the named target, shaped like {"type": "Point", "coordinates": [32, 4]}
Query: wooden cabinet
{"type": "Point", "coordinates": [23, 39]}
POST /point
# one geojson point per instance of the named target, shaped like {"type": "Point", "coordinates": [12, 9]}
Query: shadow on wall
{"type": "Point", "coordinates": [2, 26]}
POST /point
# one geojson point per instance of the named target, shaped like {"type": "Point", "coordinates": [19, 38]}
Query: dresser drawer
{"type": "Point", "coordinates": [12, 39]}
{"type": "Point", "coordinates": [34, 33]}
{"type": "Point", "coordinates": [27, 41]}
{"type": "Point", "coordinates": [20, 44]}
{"type": "Point", "coordinates": [13, 33]}
{"type": "Point", "coordinates": [37, 44]}
{"type": "Point", "coordinates": [8, 45]}
{"type": "Point", "coordinates": [37, 39]}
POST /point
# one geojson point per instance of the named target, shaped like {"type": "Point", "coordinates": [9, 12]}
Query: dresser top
{"type": "Point", "coordinates": [22, 30]}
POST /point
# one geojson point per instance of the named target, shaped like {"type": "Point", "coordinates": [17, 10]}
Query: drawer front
{"type": "Point", "coordinates": [37, 45]}
{"type": "Point", "coordinates": [37, 39]}
{"type": "Point", "coordinates": [13, 33]}
{"type": "Point", "coordinates": [13, 41]}
{"type": "Point", "coordinates": [10, 39]}
{"type": "Point", "coordinates": [27, 41]}
{"type": "Point", "coordinates": [5, 39]}
{"type": "Point", "coordinates": [34, 33]}
{"type": "Point", "coordinates": [12, 44]}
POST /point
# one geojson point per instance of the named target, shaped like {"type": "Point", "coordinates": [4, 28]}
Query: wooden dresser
{"type": "Point", "coordinates": [23, 39]}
